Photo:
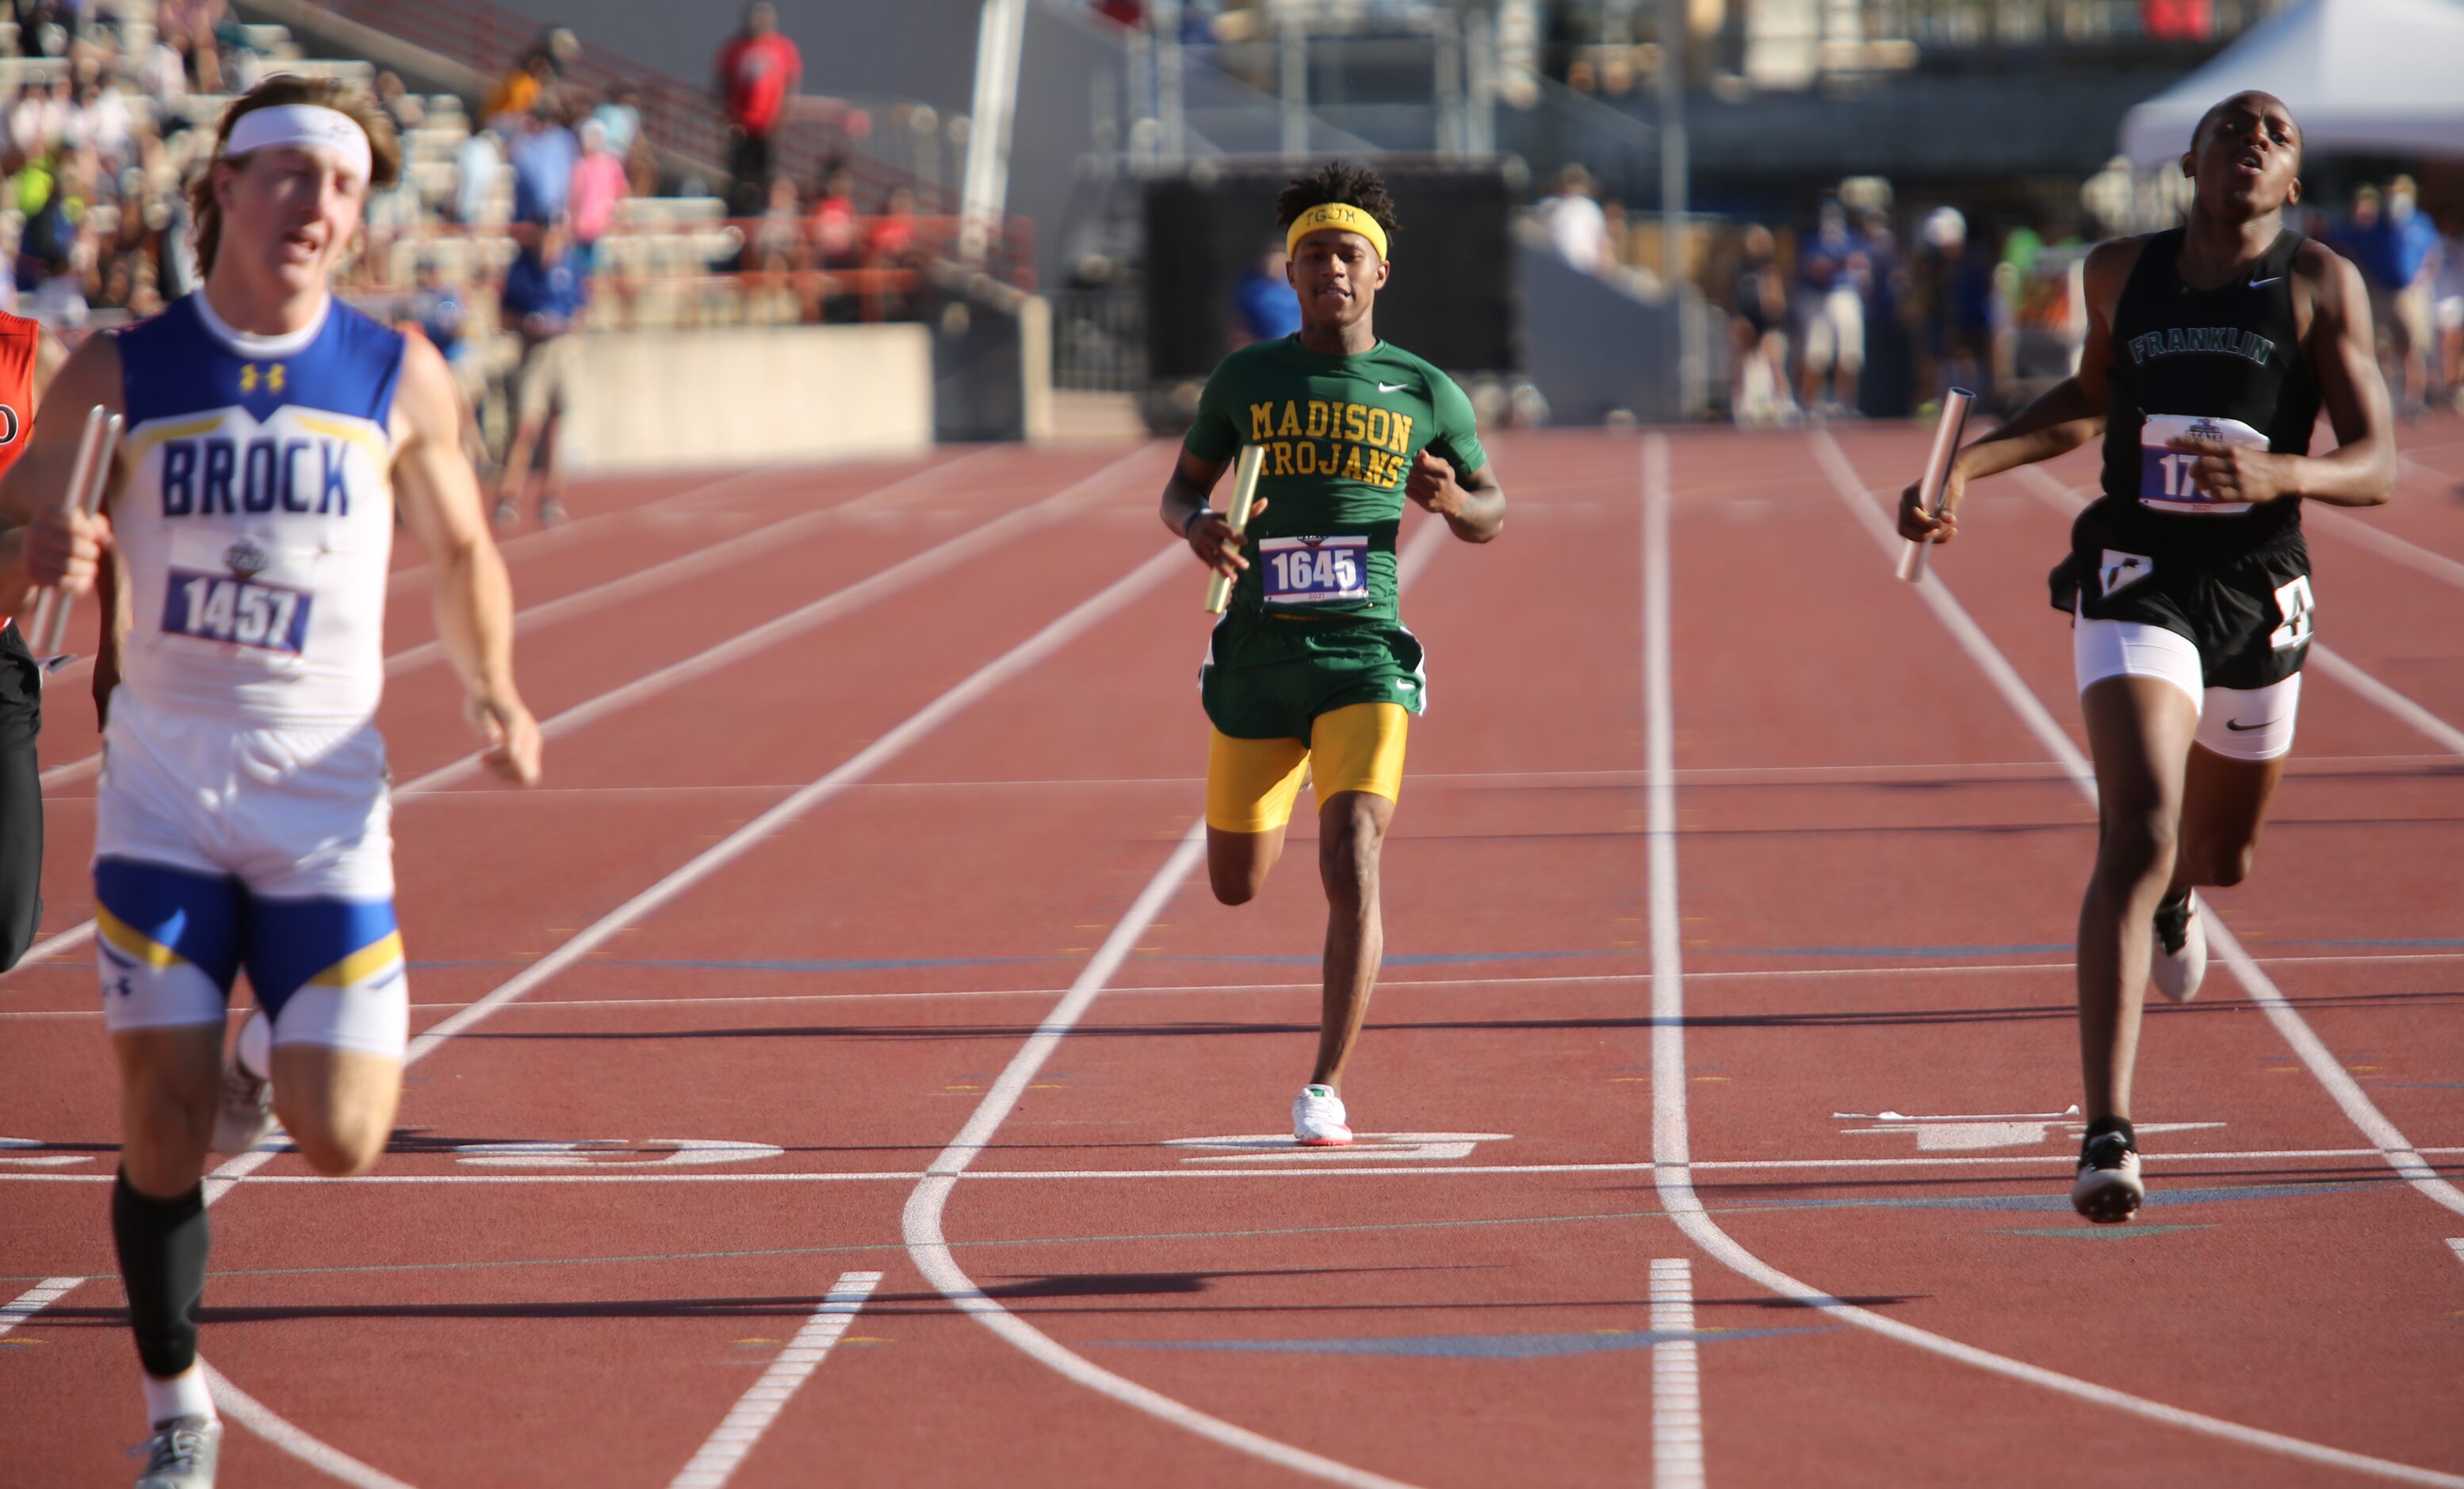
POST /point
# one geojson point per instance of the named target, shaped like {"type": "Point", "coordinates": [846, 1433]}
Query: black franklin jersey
{"type": "Point", "coordinates": [2222, 363]}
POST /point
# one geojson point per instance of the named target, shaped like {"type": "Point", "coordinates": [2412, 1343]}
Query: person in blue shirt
{"type": "Point", "coordinates": [2397, 250]}
{"type": "Point", "coordinates": [542, 152]}
{"type": "Point", "coordinates": [1264, 306]}
{"type": "Point", "coordinates": [545, 298]}
{"type": "Point", "coordinates": [1831, 272]}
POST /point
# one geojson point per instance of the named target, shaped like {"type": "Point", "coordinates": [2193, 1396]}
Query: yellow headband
{"type": "Point", "coordinates": [1335, 215]}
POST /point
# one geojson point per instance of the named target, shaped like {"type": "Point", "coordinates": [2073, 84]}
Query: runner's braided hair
{"type": "Point", "coordinates": [1337, 181]}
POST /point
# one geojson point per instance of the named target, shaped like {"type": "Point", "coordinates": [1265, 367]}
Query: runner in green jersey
{"type": "Point", "coordinates": [1311, 674]}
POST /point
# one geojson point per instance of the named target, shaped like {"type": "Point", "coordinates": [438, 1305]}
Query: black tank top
{"type": "Point", "coordinates": [2210, 356]}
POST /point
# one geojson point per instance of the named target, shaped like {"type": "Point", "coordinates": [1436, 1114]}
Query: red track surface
{"type": "Point", "coordinates": [1876, 870]}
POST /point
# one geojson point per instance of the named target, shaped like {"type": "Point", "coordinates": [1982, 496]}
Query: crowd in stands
{"type": "Point", "coordinates": [1835, 319]}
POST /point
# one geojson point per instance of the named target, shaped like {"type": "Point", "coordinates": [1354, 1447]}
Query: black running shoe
{"type": "Point", "coordinates": [2108, 1190]}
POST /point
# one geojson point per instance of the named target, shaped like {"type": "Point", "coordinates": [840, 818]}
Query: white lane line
{"type": "Point", "coordinates": [254, 1415]}
{"type": "Point", "coordinates": [35, 1300]}
{"type": "Point", "coordinates": [1671, 1144]}
{"type": "Point", "coordinates": [661, 1174]}
{"type": "Point", "coordinates": [1194, 989]}
{"type": "Point", "coordinates": [2327, 659]}
{"type": "Point", "coordinates": [2456, 1243]}
{"type": "Point", "coordinates": [2386, 545]}
{"type": "Point", "coordinates": [920, 1221]}
{"type": "Point", "coordinates": [2329, 1071]}
{"type": "Point", "coordinates": [1676, 1379]}
{"type": "Point", "coordinates": [830, 608]}
{"type": "Point", "coordinates": [761, 1405]}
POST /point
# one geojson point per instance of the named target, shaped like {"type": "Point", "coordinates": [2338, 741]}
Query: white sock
{"type": "Point", "coordinates": [255, 1046]}
{"type": "Point", "coordinates": [184, 1394]}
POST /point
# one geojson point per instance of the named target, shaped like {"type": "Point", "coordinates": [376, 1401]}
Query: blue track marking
{"type": "Point", "coordinates": [1461, 1346]}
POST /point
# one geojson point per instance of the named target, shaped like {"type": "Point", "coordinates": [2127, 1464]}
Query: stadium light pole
{"type": "Point", "coordinates": [1000, 32]}
{"type": "Point", "coordinates": [1691, 377]}
{"type": "Point", "coordinates": [1168, 65]}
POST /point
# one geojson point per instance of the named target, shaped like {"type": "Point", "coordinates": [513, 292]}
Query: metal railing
{"type": "Point", "coordinates": [680, 116]}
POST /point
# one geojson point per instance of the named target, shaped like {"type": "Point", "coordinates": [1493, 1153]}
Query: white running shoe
{"type": "Point", "coordinates": [2179, 952]}
{"type": "Point", "coordinates": [181, 1454]}
{"type": "Point", "coordinates": [244, 1116]}
{"type": "Point", "coordinates": [1319, 1118]}
{"type": "Point", "coordinates": [2109, 1190]}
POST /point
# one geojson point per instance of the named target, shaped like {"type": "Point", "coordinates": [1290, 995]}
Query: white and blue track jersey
{"type": "Point", "coordinates": [257, 519]}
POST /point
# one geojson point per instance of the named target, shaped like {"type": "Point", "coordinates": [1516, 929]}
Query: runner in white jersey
{"type": "Point", "coordinates": [272, 435]}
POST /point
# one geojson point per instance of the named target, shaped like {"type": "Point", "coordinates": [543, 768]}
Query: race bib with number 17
{"type": "Point", "coordinates": [2165, 481]}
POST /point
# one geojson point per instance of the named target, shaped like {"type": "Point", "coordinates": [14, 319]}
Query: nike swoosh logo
{"type": "Point", "coordinates": [1390, 387]}
{"type": "Point", "coordinates": [2240, 728]}
{"type": "Point", "coordinates": [2261, 284]}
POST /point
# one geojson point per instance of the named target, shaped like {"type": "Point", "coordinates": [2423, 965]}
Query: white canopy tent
{"type": "Point", "coordinates": [2381, 76]}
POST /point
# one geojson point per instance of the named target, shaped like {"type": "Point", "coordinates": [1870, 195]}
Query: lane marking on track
{"type": "Point", "coordinates": [761, 1405]}
{"type": "Point", "coordinates": [2386, 544]}
{"type": "Point", "coordinates": [638, 1173]}
{"type": "Point", "coordinates": [830, 608]}
{"type": "Point", "coordinates": [920, 1219]}
{"type": "Point", "coordinates": [2399, 1151]}
{"type": "Point", "coordinates": [1675, 1378]}
{"type": "Point", "coordinates": [2327, 659]}
{"type": "Point", "coordinates": [1188, 989]}
{"type": "Point", "coordinates": [33, 1300]}
{"type": "Point", "coordinates": [1670, 1138]}
{"type": "Point", "coordinates": [2457, 1244]}
{"type": "Point", "coordinates": [1366, 1146]}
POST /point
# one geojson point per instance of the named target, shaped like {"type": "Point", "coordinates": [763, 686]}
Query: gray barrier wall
{"type": "Point", "coordinates": [751, 394]}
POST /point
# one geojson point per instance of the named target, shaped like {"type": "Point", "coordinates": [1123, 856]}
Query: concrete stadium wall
{"type": "Point", "coordinates": [649, 399]}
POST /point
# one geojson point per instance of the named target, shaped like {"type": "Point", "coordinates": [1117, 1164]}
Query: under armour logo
{"type": "Point", "coordinates": [248, 378]}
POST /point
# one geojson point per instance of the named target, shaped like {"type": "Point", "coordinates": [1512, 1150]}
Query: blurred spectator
{"type": "Point", "coordinates": [620, 116]}
{"type": "Point", "coordinates": [759, 72]}
{"type": "Point", "coordinates": [442, 316]}
{"type": "Point", "coordinates": [1758, 322]}
{"type": "Point", "coordinates": [542, 154]}
{"type": "Point", "coordinates": [598, 185]}
{"type": "Point", "coordinates": [477, 162]}
{"type": "Point", "coordinates": [2397, 250]}
{"type": "Point", "coordinates": [1831, 274]}
{"type": "Point", "coordinates": [1890, 376]}
{"type": "Point", "coordinates": [543, 302]}
{"type": "Point", "coordinates": [399, 104]}
{"type": "Point", "coordinates": [534, 81]}
{"type": "Point", "coordinates": [164, 76]}
{"type": "Point", "coordinates": [1265, 308]}
{"type": "Point", "coordinates": [835, 235]}
{"type": "Point", "coordinates": [39, 118]}
{"type": "Point", "coordinates": [894, 244]}
{"type": "Point", "coordinates": [1577, 226]}
{"type": "Point", "coordinates": [779, 244]}
{"type": "Point", "coordinates": [2449, 314]}
{"type": "Point", "coordinates": [58, 299]}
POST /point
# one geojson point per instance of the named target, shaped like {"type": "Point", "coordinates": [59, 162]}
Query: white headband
{"type": "Point", "coordinates": [307, 125]}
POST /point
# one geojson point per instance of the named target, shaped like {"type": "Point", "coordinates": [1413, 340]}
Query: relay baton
{"type": "Point", "coordinates": [1955, 405]}
{"type": "Point", "coordinates": [1245, 496]}
{"type": "Point", "coordinates": [87, 480]}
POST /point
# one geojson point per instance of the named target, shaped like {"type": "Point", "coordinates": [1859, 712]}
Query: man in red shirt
{"type": "Point", "coordinates": [28, 355]}
{"type": "Point", "coordinates": [759, 71]}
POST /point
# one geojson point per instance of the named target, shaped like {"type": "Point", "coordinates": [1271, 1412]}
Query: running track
{"type": "Point", "coordinates": [797, 1069]}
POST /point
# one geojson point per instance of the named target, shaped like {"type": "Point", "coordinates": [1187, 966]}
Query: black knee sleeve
{"type": "Point", "coordinates": [162, 1247]}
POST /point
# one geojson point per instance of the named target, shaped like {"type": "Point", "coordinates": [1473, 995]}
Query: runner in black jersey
{"type": "Point", "coordinates": [2211, 350]}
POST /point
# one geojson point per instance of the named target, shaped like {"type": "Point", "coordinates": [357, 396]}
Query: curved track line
{"type": "Point", "coordinates": [1671, 1144]}
{"type": "Point", "coordinates": [261, 1419]}
{"type": "Point", "coordinates": [735, 648]}
{"type": "Point", "coordinates": [920, 1219]}
{"type": "Point", "coordinates": [253, 1415]}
